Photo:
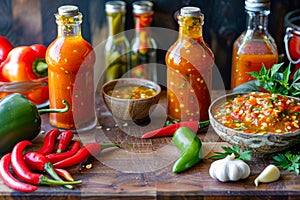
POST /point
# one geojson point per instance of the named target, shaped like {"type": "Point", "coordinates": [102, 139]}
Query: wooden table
{"type": "Point", "coordinates": [135, 171]}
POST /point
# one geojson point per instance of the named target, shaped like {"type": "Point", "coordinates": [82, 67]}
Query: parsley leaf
{"type": "Point", "coordinates": [239, 154]}
{"type": "Point", "coordinates": [288, 161]}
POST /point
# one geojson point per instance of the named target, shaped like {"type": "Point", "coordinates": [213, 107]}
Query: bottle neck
{"type": "Point", "coordinates": [116, 23]}
{"type": "Point", "coordinates": [69, 30]}
{"type": "Point", "coordinates": [69, 26]}
{"type": "Point", "coordinates": [190, 27]}
{"type": "Point", "coordinates": [142, 22]}
{"type": "Point", "coordinates": [258, 20]}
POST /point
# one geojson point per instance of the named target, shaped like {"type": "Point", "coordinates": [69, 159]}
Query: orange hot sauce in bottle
{"type": "Point", "coordinates": [70, 61]}
{"type": "Point", "coordinates": [255, 46]}
{"type": "Point", "coordinates": [189, 70]}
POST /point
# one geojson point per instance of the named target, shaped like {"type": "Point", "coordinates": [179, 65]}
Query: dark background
{"type": "Point", "coordinates": [26, 22]}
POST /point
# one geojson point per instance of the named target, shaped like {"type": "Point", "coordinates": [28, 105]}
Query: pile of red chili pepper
{"type": "Point", "coordinates": [33, 168]}
{"type": "Point", "coordinates": [24, 63]}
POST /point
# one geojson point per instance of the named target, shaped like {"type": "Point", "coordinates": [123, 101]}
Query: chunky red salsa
{"type": "Point", "coordinates": [260, 113]}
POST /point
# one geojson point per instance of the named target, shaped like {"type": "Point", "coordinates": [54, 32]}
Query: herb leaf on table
{"type": "Point", "coordinates": [239, 154]}
{"type": "Point", "coordinates": [288, 161]}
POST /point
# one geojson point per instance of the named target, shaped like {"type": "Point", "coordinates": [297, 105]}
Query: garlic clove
{"type": "Point", "coordinates": [269, 174]}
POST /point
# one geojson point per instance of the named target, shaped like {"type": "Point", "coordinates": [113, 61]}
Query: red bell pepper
{"type": "Point", "coordinates": [25, 63]}
{"type": "Point", "coordinates": [5, 48]}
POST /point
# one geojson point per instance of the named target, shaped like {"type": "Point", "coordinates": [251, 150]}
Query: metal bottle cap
{"type": "Point", "coordinates": [68, 10]}
{"type": "Point", "coordinates": [257, 5]}
{"type": "Point", "coordinates": [142, 7]}
{"type": "Point", "coordinates": [115, 6]}
{"type": "Point", "coordinates": [190, 11]}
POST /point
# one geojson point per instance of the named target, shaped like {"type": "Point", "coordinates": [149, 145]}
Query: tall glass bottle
{"type": "Point", "coordinates": [70, 61]}
{"type": "Point", "coordinates": [117, 46]}
{"type": "Point", "coordinates": [255, 46]}
{"type": "Point", "coordinates": [143, 46]}
{"type": "Point", "coordinates": [189, 69]}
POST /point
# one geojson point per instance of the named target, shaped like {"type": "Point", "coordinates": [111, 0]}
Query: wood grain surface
{"type": "Point", "coordinates": [141, 169]}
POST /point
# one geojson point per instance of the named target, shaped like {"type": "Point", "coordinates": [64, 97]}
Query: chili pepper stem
{"type": "Point", "coordinates": [49, 169]}
{"type": "Point", "coordinates": [42, 111]}
{"type": "Point", "coordinates": [46, 181]}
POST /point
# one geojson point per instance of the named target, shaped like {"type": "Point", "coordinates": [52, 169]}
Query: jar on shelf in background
{"type": "Point", "coordinates": [292, 38]}
{"type": "Point", "coordinates": [70, 60]}
{"type": "Point", "coordinates": [117, 47]}
{"type": "Point", "coordinates": [255, 46]}
{"type": "Point", "coordinates": [143, 45]}
{"type": "Point", "coordinates": [189, 69]}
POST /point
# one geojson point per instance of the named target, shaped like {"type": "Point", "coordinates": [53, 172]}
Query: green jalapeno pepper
{"type": "Point", "coordinates": [190, 147]}
{"type": "Point", "coordinates": [20, 120]}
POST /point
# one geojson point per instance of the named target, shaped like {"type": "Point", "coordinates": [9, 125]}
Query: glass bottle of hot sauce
{"type": "Point", "coordinates": [189, 69]}
{"type": "Point", "coordinates": [70, 60]}
{"type": "Point", "coordinates": [143, 45]}
{"type": "Point", "coordinates": [255, 46]}
{"type": "Point", "coordinates": [117, 56]}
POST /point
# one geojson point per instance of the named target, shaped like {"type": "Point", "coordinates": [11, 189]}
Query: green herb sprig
{"type": "Point", "coordinates": [275, 80]}
{"type": "Point", "coordinates": [239, 154]}
{"type": "Point", "coordinates": [288, 161]}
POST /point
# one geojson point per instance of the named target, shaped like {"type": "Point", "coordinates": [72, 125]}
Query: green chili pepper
{"type": "Point", "coordinates": [190, 147]}
{"type": "Point", "coordinates": [20, 120]}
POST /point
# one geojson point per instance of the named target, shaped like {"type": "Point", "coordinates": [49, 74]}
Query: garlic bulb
{"type": "Point", "coordinates": [229, 169]}
{"type": "Point", "coordinates": [269, 174]}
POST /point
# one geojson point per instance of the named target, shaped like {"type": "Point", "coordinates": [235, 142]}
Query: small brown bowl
{"type": "Point", "coordinates": [260, 145]}
{"type": "Point", "coordinates": [130, 109]}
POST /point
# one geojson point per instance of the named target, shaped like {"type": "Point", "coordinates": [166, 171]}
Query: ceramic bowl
{"type": "Point", "coordinates": [130, 109]}
{"type": "Point", "coordinates": [30, 89]}
{"type": "Point", "coordinates": [258, 144]}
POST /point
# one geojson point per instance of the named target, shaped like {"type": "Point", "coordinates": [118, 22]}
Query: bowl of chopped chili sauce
{"type": "Point", "coordinates": [130, 98]}
{"type": "Point", "coordinates": [262, 122]}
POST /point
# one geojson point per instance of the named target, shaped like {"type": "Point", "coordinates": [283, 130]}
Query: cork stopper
{"type": "Point", "coordinates": [142, 7]}
{"type": "Point", "coordinates": [190, 11]}
{"type": "Point", "coordinates": [257, 5]}
{"type": "Point", "coordinates": [115, 6]}
{"type": "Point", "coordinates": [68, 10]}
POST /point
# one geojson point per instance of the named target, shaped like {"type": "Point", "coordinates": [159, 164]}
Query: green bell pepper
{"type": "Point", "coordinates": [20, 120]}
{"type": "Point", "coordinates": [190, 147]}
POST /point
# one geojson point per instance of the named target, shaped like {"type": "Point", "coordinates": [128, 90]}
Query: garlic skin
{"type": "Point", "coordinates": [229, 169]}
{"type": "Point", "coordinates": [269, 174]}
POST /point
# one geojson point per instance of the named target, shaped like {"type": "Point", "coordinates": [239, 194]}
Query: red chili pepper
{"type": "Point", "coordinates": [64, 173]}
{"type": "Point", "coordinates": [5, 48]}
{"type": "Point", "coordinates": [83, 153]}
{"type": "Point", "coordinates": [9, 180]}
{"type": "Point", "coordinates": [56, 157]}
{"type": "Point", "coordinates": [64, 141]}
{"type": "Point", "coordinates": [22, 171]}
{"type": "Point", "coordinates": [25, 63]}
{"type": "Point", "coordinates": [37, 161]}
{"type": "Point", "coordinates": [170, 130]}
{"type": "Point", "coordinates": [49, 141]}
